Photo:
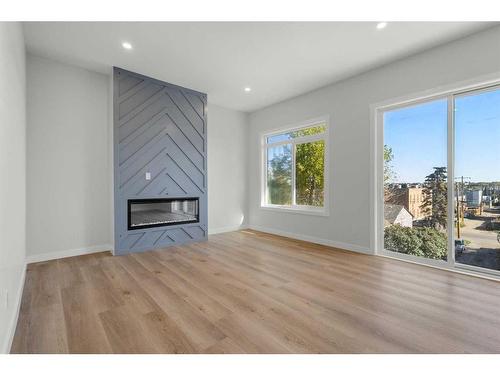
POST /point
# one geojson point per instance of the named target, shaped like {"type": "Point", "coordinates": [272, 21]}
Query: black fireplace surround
{"type": "Point", "coordinates": [149, 213]}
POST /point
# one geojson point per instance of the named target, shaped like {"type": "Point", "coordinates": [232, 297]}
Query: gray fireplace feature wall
{"type": "Point", "coordinates": [160, 154]}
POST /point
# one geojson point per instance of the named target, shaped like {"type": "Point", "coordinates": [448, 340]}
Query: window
{"type": "Point", "coordinates": [415, 162]}
{"type": "Point", "coordinates": [295, 170]}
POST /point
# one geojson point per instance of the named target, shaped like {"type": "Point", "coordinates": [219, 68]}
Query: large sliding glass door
{"type": "Point", "coordinates": [440, 171]}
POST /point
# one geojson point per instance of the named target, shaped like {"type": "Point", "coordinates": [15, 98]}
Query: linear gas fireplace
{"type": "Point", "coordinates": [148, 213]}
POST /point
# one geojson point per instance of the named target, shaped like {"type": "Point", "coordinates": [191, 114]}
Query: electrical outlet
{"type": "Point", "coordinates": [148, 175]}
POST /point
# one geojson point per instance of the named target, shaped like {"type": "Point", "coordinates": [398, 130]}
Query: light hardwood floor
{"type": "Point", "coordinates": [250, 292]}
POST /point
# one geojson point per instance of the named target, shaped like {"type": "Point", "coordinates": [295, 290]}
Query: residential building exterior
{"type": "Point", "coordinates": [395, 214]}
{"type": "Point", "coordinates": [411, 198]}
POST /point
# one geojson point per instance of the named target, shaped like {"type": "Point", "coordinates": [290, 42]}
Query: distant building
{"type": "Point", "coordinates": [488, 200]}
{"type": "Point", "coordinates": [474, 198]}
{"type": "Point", "coordinates": [410, 198]}
{"type": "Point", "coordinates": [397, 214]}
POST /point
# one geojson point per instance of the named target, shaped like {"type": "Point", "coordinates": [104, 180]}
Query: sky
{"type": "Point", "coordinates": [418, 138]}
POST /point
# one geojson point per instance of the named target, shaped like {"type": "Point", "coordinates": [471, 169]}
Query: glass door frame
{"type": "Point", "coordinates": [377, 188]}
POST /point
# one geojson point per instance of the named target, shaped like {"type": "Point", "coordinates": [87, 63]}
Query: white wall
{"type": "Point", "coordinates": [12, 176]}
{"type": "Point", "coordinates": [68, 164]}
{"type": "Point", "coordinates": [227, 169]}
{"type": "Point", "coordinates": [348, 104]}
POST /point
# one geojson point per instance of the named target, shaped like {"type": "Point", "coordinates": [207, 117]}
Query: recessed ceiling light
{"type": "Point", "coordinates": [127, 45]}
{"type": "Point", "coordinates": [381, 25]}
{"type": "Point", "coordinates": [248, 89]}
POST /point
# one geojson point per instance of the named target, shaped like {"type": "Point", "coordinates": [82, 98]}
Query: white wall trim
{"type": "Point", "coordinates": [227, 229]}
{"type": "Point", "coordinates": [11, 329]}
{"type": "Point", "coordinates": [321, 241]}
{"type": "Point", "coordinates": [68, 253]}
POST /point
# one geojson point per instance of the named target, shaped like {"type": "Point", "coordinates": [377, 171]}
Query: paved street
{"type": "Point", "coordinates": [484, 249]}
{"type": "Point", "coordinates": [479, 238]}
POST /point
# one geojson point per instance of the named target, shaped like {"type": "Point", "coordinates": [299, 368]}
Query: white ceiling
{"type": "Point", "coordinates": [277, 60]}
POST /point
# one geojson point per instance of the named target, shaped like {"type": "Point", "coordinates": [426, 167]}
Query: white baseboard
{"type": "Point", "coordinates": [321, 241]}
{"type": "Point", "coordinates": [227, 229]}
{"type": "Point", "coordinates": [11, 329]}
{"type": "Point", "coordinates": [67, 253]}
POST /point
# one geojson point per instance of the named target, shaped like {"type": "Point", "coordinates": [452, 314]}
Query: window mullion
{"type": "Point", "coordinates": [266, 177]}
{"type": "Point", "coordinates": [451, 180]}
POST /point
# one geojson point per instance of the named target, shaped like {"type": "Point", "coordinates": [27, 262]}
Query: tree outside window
{"type": "Point", "coordinates": [295, 168]}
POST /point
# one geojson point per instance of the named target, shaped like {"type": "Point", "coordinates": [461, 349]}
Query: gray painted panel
{"type": "Point", "coordinates": [128, 83]}
{"type": "Point", "coordinates": [141, 119]}
{"type": "Point", "coordinates": [135, 101]}
{"type": "Point", "coordinates": [158, 128]}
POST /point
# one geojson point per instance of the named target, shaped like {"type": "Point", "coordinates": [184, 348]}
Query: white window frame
{"type": "Point", "coordinates": [449, 92]}
{"type": "Point", "coordinates": [325, 136]}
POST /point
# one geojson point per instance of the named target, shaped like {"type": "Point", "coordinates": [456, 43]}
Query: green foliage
{"type": "Point", "coordinates": [308, 131]}
{"type": "Point", "coordinates": [403, 240]}
{"type": "Point", "coordinates": [435, 243]}
{"type": "Point", "coordinates": [422, 242]}
{"type": "Point", "coordinates": [279, 178]}
{"type": "Point", "coordinates": [435, 202]}
{"type": "Point", "coordinates": [389, 173]}
{"type": "Point", "coordinates": [310, 166]}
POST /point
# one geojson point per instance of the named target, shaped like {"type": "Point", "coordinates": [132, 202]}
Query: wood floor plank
{"type": "Point", "coordinates": [82, 305]}
{"type": "Point", "coordinates": [45, 288]}
{"type": "Point", "coordinates": [250, 335]}
{"type": "Point", "coordinates": [127, 287]}
{"type": "Point", "coordinates": [129, 331]}
{"type": "Point", "coordinates": [84, 330]}
{"type": "Point", "coordinates": [216, 284]}
{"type": "Point", "coordinates": [192, 322]}
{"type": "Point", "coordinates": [43, 325]}
{"type": "Point", "coordinates": [251, 292]}
{"type": "Point", "coordinates": [225, 346]}
{"type": "Point", "coordinates": [46, 331]}
{"type": "Point", "coordinates": [195, 296]}
{"type": "Point", "coordinates": [166, 327]}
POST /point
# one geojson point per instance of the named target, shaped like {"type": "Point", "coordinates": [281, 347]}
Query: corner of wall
{"type": "Point", "coordinates": [12, 164]}
{"type": "Point", "coordinates": [111, 188]}
{"type": "Point", "coordinates": [9, 338]}
{"type": "Point", "coordinates": [246, 121]}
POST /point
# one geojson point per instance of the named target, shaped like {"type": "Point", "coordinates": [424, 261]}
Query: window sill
{"type": "Point", "coordinates": [293, 210]}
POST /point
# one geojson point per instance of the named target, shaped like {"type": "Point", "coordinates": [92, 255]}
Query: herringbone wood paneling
{"type": "Point", "coordinates": [158, 128]}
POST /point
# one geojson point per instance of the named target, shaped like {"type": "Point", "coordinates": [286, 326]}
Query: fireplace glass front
{"type": "Point", "coordinates": [147, 213]}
